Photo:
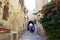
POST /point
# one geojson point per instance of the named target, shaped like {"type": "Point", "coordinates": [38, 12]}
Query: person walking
{"type": "Point", "coordinates": [31, 27]}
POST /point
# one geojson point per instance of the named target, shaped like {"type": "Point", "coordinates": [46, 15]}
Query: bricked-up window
{"type": "Point", "coordinates": [5, 11]}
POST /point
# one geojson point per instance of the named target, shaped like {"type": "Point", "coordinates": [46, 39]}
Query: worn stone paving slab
{"type": "Point", "coordinates": [31, 36]}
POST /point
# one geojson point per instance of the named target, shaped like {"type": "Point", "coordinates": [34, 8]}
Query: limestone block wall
{"type": "Point", "coordinates": [16, 15]}
{"type": "Point", "coordinates": [16, 21]}
{"type": "Point", "coordinates": [1, 10]}
{"type": "Point", "coordinates": [40, 3]}
{"type": "Point", "coordinates": [1, 14]}
{"type": "Point", "coordinates": [16, 18]}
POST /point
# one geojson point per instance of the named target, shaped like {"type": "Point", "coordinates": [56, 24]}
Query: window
{"type": "Point", "coordinates": [5, 11]}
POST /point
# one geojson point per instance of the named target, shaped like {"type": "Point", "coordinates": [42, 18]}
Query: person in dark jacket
{"type": "Point", "coordinates": [30, 26]}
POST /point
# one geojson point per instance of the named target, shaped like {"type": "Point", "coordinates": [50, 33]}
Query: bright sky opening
{"type": "Point", "coordinates": [30, 4]}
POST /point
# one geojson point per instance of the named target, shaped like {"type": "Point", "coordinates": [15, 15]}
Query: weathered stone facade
{"type": "Point", "coordinates": [12, 16]}
{"type": "Point", "coordinates": [15, 13]}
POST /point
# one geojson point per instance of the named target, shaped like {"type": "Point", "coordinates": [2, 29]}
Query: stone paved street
{"type": "Point", "coordinates": [30, 36]}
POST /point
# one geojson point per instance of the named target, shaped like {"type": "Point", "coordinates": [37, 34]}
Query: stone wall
{"type": "Point", "coordinates": [15, 20]}
{"type": "Point", "coordinates": [16, 14]}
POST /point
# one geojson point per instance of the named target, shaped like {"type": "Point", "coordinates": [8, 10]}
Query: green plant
{"type": "Point", "coordinates": [1, 24]}
{"type": "Point", "coordinates": [51, 19]}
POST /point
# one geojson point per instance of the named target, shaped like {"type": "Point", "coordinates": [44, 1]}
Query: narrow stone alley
{"type": "Point", "coordinates": [14, 18]}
